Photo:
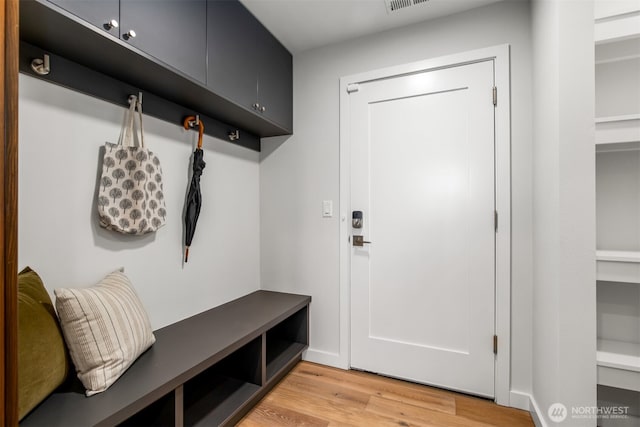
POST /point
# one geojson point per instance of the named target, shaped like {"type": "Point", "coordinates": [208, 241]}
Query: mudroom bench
{"type": "Point", "coordinates": [207, 370]}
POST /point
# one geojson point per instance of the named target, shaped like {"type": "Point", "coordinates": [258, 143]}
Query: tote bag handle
{"type": "Point", "coordinates": [127, 137]}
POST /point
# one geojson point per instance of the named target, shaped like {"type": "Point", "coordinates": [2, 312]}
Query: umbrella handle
{"type": "Point", "coordinates": [189, 123]}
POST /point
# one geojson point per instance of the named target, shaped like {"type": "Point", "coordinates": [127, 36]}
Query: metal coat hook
{"type": "Point", "coordinates": [194, 122]}
{"type": "Point", "coordinates": [41, 66]}
{"type": "Point", "coordinates": [191, 122]}
{"type": "Point", "coordinates": [138, 99]}
{"type": "Point", "coordinates": [234, 136]}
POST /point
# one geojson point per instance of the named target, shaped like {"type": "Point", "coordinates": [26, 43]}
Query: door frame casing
{"type": "Point", "coordinates": [500, 55]}
{"type": "Point", "coordinates": [9, 21]}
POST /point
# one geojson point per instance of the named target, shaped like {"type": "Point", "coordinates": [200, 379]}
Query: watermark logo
{"type": "Point", "coordinates": [557, 412]}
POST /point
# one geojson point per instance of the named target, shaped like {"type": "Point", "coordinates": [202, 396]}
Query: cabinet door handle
{"type": "Point", "coordinates": [130, 35]}
{"type": "Point", "coordinates": [111, 24]}
{"type": "Point", "coordinates": [256, 106]}
{"type": "Point", "coordinates": [263, 108]}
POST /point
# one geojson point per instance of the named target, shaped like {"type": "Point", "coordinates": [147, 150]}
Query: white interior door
{"type": "Point", "coordinates": [422, 173]}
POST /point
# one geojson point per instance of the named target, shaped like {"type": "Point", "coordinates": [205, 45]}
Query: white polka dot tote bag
{"type": "Point", "coordinates": [131, 195]}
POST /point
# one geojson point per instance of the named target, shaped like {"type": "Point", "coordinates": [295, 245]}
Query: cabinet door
{"type": "Point", "coordinates": [97, 12]}
{"type": "Point", "coordinates": [233, 55]}
{"type": "Point", "coordinates": [275, 80]}
{"type": "Point", "coordinates": [173, 31]}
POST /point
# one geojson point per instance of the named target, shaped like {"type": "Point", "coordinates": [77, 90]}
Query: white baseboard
{"type": "Point", "coordinates": [526, 402]}
{"type": "Point", "coordinates": [520, 400]}
{"type": "Point", "coordinates": [535, 413]}
{"type": "Point", "coordinates": [324, 358]}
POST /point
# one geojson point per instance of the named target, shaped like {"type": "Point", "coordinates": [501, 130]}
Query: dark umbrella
{"type": "Point", "coordinates": [194, 197]}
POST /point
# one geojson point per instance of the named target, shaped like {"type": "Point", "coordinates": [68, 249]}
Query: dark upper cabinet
{"type": "Point", "coordinates": [211, 57]}
{"type": "Point", "coordinates": [173, 31]}
{"type": "Point", "coordinates": [275, 80]}
{"type": "Point", "coordinates": [246, 64]}
{"type": "Point", "coordinates": [103, 14]}
{"type": "Point", "coordinates": [232, 65]}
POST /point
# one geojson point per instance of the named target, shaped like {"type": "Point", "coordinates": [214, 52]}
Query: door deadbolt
{"type": "Point", "coordinates": [356, 219]}
{"type": "Point", "coordinates": [359, 241]}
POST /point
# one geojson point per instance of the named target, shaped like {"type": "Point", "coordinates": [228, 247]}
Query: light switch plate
{"type": "Point", "coordinates": [327, 208]}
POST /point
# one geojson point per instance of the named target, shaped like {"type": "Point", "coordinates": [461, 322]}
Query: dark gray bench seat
{"type": "Point", "coordinates": [207, 370]}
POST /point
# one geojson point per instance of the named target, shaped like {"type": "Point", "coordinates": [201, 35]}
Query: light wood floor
{"type": "Point", "coordinates": [316, 395]}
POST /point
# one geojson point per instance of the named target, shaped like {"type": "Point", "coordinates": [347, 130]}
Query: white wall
{"type": "Point", "coordinates": [300, 250]}
{"type": "Point", "coordinates": [564, 300]}
{"type": "Point", "coordinates": [61, 134]}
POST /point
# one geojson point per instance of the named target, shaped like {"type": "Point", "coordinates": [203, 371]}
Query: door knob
{"type": "Point", "coordinates": [359, 241]}
{"type": "Point", "coordinates": [130, 35]}
{"type": "Point", "coordinates": [263, 108]}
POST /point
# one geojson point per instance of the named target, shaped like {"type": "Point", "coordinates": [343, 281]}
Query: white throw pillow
{"type": "Point", "coordinates": [106, 328]}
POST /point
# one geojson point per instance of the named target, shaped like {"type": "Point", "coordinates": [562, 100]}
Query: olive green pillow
{"type": "Point", "coordinates": [42, 357]}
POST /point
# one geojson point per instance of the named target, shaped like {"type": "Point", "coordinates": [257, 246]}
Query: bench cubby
{"type": "Point", "coordinates": [286, 340]}
{"type": "Point", "coordinates": [223, 389]}
{"type": "Point", "coordinates": [159, 413]}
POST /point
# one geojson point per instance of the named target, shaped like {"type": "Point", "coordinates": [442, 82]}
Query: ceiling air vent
{"type": "Point", "coordinates": [393, 5]}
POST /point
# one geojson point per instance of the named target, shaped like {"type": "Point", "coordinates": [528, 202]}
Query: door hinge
{"type": "Point", "coordinates": [495, 96]}
{"type": "Point", "coordinates": [353, 87]}
{"type": "Point", "coordinates": [495, 220]}
{"type": "Point", "coordinates": [495, 344]}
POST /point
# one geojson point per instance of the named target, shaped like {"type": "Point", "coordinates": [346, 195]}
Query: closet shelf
{"type": "Point", "coordinates": [618, 256]}
{"type": "Point", "coordinates": [621, 52]}
{"type": "Point", "coordinates": [618, 266]}
{"type": "Point", "coordinates": [613, 29]}
{"type": "Point", "coordinates": [619, 355]}
{"type": "Point", "coordinates": [619, 364]}
{"type": "Point", "coordinates": [618, 133]}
